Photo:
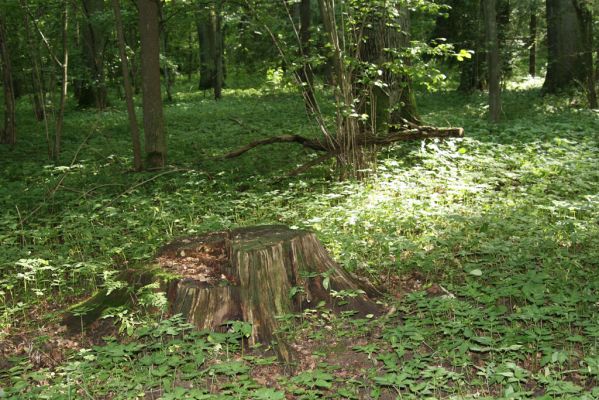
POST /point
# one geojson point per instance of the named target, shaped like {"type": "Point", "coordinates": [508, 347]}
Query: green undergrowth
{"type": "Point", "coordinates": [492, 242]}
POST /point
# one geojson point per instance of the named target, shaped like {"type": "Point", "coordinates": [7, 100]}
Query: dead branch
{"type": "Point", "coordinates": [412, 133]}
{"type": "Point", "coordinates": [406, 135]}
{"type": "Point", "coordinates": [304, 167]}
{"type": "Point", "coordinates": [311, 144]}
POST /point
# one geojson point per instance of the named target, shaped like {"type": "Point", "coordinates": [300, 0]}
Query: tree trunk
{"type": "Point", "coordinates": [393, 101]}
{"type": "Point", "coordinates": [207, 48]}
{"type": "Point", "coordinates": [168, 80]}
{"type": "Point", "coordinates": [64, 83]}
{"type": "Point", "coordinates": [493, 61]}
{"type": "Point", "coordinates": [137, 163]}
{"type": "Point", "coordinates": [306, 75]}
{"type": "Point", "coordinates": [568, 45]}
{"type": "Point", "coordinates": [93, 88]}
{"type": "Point", "coordinates": [8, 135]}
{"type": "Point", "coordinates": [253, 274]}
{"type": "Point", "coordinates": [532, 43]}
{"type": "Point", "coordinates": [585, 15]}
{"type": "Point", "coordinates": [218, 50]}
{"type": "Point", "coordinates": [472, 71]}
{"type": "Point", "coordinates": [256, 275]}
{"type": "Point", "coordinates": [154, 130]}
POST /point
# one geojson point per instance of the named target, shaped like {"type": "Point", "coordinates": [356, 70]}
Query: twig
{"type": "Point", "coordinates": [303, 168]}
{"type": "Point", "coordinates": [312, 144]}
{"type": "Point", "coordinates": [22, 227]}
{"type": "Point", "coordinates": [243, 124]}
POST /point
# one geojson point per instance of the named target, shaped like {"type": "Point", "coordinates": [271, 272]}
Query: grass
{"type": "Point", "coordinates": [489, 247]}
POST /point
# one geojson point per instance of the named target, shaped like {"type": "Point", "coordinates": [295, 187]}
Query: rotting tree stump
{"type": "Point", "coordinates": [250, 274]}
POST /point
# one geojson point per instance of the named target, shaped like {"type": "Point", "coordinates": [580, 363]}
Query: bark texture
{"type": "Point", "coordinates": [133, 127]}
{"type": "Point", "coordinates": [8, 135]}
{"type": "Point", "coordinates": [252, 274]}
{"type": "Point", "coordinates": [92, 92]}
{"type": "Point", "coordinates": [257, 274]}
{"type": "Point", "coordinates": [305, 74]}
{"type": "Point", "coordinates": [493, 59]}
{"type": "Point", "coordinates": [569, 57]}
{"type": "Point", "coordinates": [532, 43]}
{"type": "Point", "coordinates": [154, 130]}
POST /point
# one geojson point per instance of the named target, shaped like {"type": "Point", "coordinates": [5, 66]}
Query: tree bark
{"type": "Point", "coordinates": [392, 99]}
{"type": "Point", "coordinates": [253, 274]}
{"type": "Point", "coordinates": [207, 48]}
{"type": "Point", "coordinates": [532, 43]}
{"type": "Point", "coordinates": [93, 88]}
{"type": "Point", "coordinates": [154, 129]}
{"type": "Point", "coordinates": [64, 83]}
{"type": "Point", "coordinates": [472, 71]}
{"type": "Point", "coordinates": [133, 127]}
{"type": "Point", "coordinates": [568, 45]}
{"type": "Point", "coordinates": [9, 133]}
{"type": "Point", "coordinates": [306, 75]}
{"type": "Point", "coordinates": [493, 59]}
{"type": "Point", "coordinates": [218, 50]}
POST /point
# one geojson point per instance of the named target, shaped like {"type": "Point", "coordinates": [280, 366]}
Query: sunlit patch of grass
{"type": "Point", "coordinates": [504, 220]}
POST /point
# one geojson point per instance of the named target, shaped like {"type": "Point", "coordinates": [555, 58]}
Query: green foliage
{"type": "Point", "coordinates": [504, 221]}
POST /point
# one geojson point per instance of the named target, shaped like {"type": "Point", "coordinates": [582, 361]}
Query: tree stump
{"type": "Point", "coordinates": [256, 274]}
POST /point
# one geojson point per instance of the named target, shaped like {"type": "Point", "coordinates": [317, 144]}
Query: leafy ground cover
{"type": "Point", "coordinates": [488, 247]}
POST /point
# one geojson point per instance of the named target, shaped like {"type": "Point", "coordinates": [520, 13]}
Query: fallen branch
{"type": "Point", "coordinates": [420, 133]}
{"type": "Point", "coordinates": [304, 167]}
{"type": "Point", "coordinates": [311, 144]}
{"type": "Point", "coordinates": [408, 134]}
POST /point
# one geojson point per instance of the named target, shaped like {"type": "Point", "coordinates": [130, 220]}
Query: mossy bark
{"type": "Point", "coordinates": [253, 274]}
{"type": "Point", "coordinates": [250, 274]}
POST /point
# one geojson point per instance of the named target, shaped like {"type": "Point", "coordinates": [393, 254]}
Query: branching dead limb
{"type": "Point", "coordinates": [311, 144]}
{"type": "Point", "coordinates": [411, 133]}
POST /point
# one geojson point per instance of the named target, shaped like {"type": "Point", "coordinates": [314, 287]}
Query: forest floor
{"type": "Point", "coordinates": [488, 247]}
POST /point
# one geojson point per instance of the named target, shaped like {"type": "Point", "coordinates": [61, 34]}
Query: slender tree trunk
{"type": "Point", "coordinates": [404, 107]}
{"type": "Point", "coordinates": [154, 130]}
{"type": "Point", "coordinates": [167, 73]}
{"type": "Point", "coordinates": [64, 83]}
{"type": "Point", "coordinates": [39, 99]}
{"type": "Point", "coordinates": [93, 89]}
{"type": "Point", "coordinates": [137, 163]}
{"type": "Point", "coordinates": [218, 50]}
{"type": "Point", "coordinates": [306, 76]}
{"type": "Point", "coordinates": [472, 71]}
{"type": "Point", "coordinates": [532, 43]}
{"type": "Point", "coordinates": [585, 15]}
{"type": "Point", "coordinates": [9, 133]}
{"type": "Point", "coordinates": [207, 51]}
{"type": "Point", "coordinates": [190, 56]}
{"type": "Point", "coordinates": [493, 61]}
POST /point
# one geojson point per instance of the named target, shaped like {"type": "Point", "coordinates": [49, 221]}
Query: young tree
{"type": "Point", "coordinates": [305, 74]}
{"type": "Point", "coordinates": [8, 134]}
{"type": "Point", "coordinates": [92, 92]}
{"type": "Point", "coordinates": [63, 84]}
{"type": "Point", "coordinates": [532, 38]}
{"type": "Point", "coordinates": [154, 130]}
{"type": "Point", "coordinates": [493, 59]}
{"type": "Point", "coordinates": [137, 163]}
{"type": "Point", "coordinates": [569, 57]}
{"type": "Point", "coordinates": [211, 39]}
